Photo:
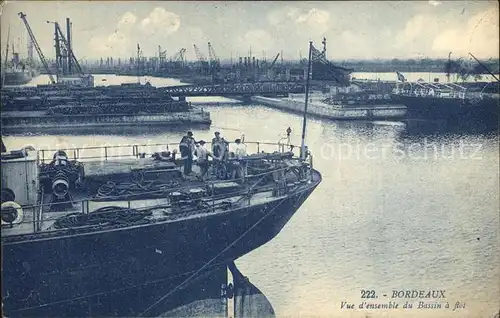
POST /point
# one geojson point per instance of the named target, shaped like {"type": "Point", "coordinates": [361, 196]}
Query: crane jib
{"type": "Point", "coordinates": [37, 47]}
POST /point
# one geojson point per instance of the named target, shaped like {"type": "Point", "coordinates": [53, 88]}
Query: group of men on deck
{"type": "Point", "coordinates": [220, 154]}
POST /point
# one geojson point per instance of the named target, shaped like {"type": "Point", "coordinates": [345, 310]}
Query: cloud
{"type": "Point", "coordinates": [434, 3]}
{"type": "Point", "coordinates": [314, 17]}
{"type": "Point", "coordinates": [300, 20]}
{"type": "Point", "coordinates": [127, 20]}
{"type": "Point", "coordinates": [418, 27]}
{"type": "Point", "coordinates": [258, 39]}
{"type": "Point", "coordinates": [157, 23]}
{"type": "Point", "coordinates": [114, 44]}
{"type": "Point", "coordinates": [277, 17]}
{"type": "Point", "coordinates": [161, 21]}
{"type": "Point", "coordinates": [479, 36]}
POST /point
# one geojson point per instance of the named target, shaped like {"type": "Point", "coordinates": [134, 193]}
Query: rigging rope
{"type": "Point", "coordinates": [213, 259]}
{"type": "Point", "coordinates": [147, 283]}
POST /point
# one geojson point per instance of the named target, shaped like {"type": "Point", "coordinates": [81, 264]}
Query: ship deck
{"type": "Point", "coordinates": [235, 193]}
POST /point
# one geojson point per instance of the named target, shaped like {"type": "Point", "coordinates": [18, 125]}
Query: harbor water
{"type": "Point", "coordinates": [395, 211]}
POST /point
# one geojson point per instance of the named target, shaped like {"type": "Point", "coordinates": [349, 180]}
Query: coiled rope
{"type": "Point", "coordinates": [110, 215]}
{"type": "Point", "coordinates": [136, 188]}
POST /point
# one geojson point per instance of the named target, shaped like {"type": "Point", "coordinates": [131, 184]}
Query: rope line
{"type": "Point", "coordinates": [98, 294]}
{"type": "Point", "coordinates": [151, 282]}
{"type": "Point", "coordinates": [213, 259]}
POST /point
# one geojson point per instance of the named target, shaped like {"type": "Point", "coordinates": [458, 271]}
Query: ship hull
{"type": "Point", "coordinates": [453, 112]}
{"type": "Point", "coordinates": [123, 271]}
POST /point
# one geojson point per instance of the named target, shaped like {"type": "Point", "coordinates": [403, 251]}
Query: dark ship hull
{"type": "Point", "coordinates": [453, 113]}
{"type": "Point", "coordinates": [17, 78]}
{"type": "Point", "coordinates": [122, 272]}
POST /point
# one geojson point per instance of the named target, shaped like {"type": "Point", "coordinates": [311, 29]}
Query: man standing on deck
{"type": "Point", "coordinates": [240, 151]}
{"type": "Point", "coordinates": [202, 155]}
{"type": "Point", "coordinates": [219, 146]}
{"type": "Point", "coordinates": [186, 148]}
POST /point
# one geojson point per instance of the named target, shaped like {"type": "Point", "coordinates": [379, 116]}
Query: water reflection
{"type": "Point", "coordinates": [399, 207]}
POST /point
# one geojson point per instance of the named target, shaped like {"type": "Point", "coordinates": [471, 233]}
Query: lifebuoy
{"type": "Point", "coordinates": [12, 213]}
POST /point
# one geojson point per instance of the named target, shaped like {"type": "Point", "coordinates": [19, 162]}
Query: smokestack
{"type": "Point", "coordinates": [68, 35]}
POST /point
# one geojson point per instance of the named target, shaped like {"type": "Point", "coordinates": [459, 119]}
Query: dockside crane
{"type": "Point", "coordinates": [274, 61]}
{"type": "Point", "coordinates": [72, 60]}
{"type": "Point", "coordinates": [162, 55]}
{"type": "Point", "coordinates": [37, 47]}
{"type": "Point", "coordinates": [199, 55]}
{"type": "Point", "coordinates": [214, 62]}
{"type": "Point", "coordinates": [4, 68]}
{"type": "Point", "coordinates": [179, 57]}
{"type": "Point", "coordinates": [201, 58]}
{"type": "Point", "coordinates": [270, 70]}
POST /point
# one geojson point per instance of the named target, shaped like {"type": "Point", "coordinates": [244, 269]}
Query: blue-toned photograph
{"type": "Point", "coordinates": [250, 159]}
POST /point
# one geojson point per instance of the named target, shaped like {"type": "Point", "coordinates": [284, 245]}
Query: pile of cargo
{"type": "Point", "coordinates": [44, 98]}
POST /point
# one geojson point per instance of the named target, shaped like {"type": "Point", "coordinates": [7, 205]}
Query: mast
{"type": "Point", "coordinates": [138, 63]}
{"type": "Point", "coordinates": [4, 68]}
{"type": "Point", "coordinates": [449, 68]}
{"type": "Point", "coordinates": [302, 144]}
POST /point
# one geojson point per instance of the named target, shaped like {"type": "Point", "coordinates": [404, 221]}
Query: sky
{"type": "Point", "coordinates": [354, 30]}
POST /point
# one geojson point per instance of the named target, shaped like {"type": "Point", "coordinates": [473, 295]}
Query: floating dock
{"type": "Point", "coordinates": [37, 121]}
{"type": "Point", "coordinates": [338, 112]}
{"type": "Point", "coordinates": [60, 108]}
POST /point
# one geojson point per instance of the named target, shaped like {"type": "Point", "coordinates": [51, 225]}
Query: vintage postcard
{"type": "Point", "coordinates": [250, 159]}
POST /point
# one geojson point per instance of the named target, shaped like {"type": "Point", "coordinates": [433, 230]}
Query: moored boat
{"type": "Point", "coordinates": [473, 106]}
{"type": "Point", "coordinates": [111, 230]}
{"type": "Point", "coordinates": [20, 77]}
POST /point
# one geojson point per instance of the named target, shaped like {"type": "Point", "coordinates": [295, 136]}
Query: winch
{"type": "Point", "coordinates": [60, 176]}
{"type": "Point", "coordinates": [60, 185]}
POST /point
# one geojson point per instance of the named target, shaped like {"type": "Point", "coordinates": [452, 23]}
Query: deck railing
{"type": "Point", "coordinates": [37, 211]}
{"type": "Point", "coordinates": [137, 150]}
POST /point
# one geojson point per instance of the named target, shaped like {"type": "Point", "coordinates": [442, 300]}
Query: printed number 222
{"type": "Point", "coordinates": [367, 293]}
